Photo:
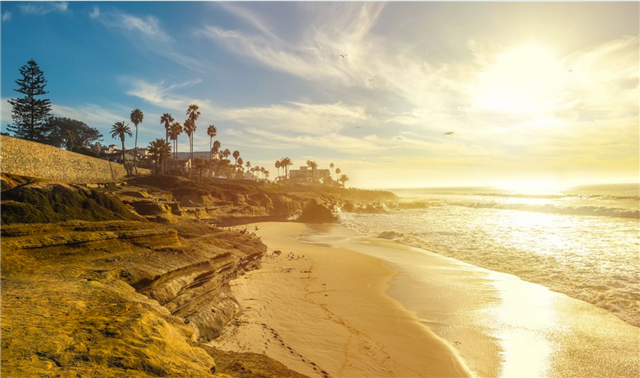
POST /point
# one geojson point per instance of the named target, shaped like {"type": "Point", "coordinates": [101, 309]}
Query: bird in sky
{"type": "Point", "coordinates": [370, 79]}
{"type": "Point", "coordinates": [343, 55]}
{"type": "Point", "coordinates": [357, 127]}
{"type": "Point", "coordinates": [449, 133]}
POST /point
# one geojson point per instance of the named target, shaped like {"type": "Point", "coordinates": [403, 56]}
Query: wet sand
{"type": "Point", "coordinates": [328, 314]}
{"type": "Point", "coordinates": [342, 311]}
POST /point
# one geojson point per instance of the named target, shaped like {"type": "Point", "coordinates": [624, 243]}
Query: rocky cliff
{"type": "Point", "coordinates": [128, 280]}
{"type": "Point", "coordinates": [121, 299]}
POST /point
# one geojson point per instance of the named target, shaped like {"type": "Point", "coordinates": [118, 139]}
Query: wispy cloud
{"type": "Point", "coordinates": [42, 8]}
{"type": "Point", "coordinates": [296, 117]}
{"type": "Point", "coordinates": [147, 32]}
{"type": "Point", "coordinates": [162, 95]}
{"type": "Point", "coordinates": [333, 141]}
{"type": "Point", "coordinates": [6, 16]}
{"type": "Point", "coordinates": [147, 27]}
{"type": "Point", "coordinates": [95, 12]}
{"type": "Point", "coordinates": [91, 114]}
{"type": "Point", "coordinates": [338, 29]}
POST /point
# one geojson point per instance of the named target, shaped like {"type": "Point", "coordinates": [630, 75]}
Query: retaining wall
{"type": "Point", "coordinates": [25, 158]}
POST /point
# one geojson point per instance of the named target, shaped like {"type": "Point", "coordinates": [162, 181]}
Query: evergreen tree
{"type": "Point", "coordinates": [30, 114]}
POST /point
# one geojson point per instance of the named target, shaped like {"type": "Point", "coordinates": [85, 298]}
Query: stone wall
{"type": "Point", "coordinates": [25, 158]}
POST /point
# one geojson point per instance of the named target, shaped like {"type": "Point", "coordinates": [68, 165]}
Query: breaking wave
{"type": "Point", "coordinates": [555, 209]}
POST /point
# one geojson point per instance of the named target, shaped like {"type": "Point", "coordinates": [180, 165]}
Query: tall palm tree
{"type": "Point", "coordinates": [338, 171]}
{"type": "Point", "coordinates": [176, 130]}
{"type": "Point", "coordinates": [136, 119]}
{"type": "Point", "coordinates": [248, 164]}
{"type": "Point", "coordinates": [343, 179]}
{"type": "Point", "coordinates": [286, 162]}
{"type": "Point", "coordinates": [226, 153]}
{"type": "Point", "coordinates": [189, 129]}
{"type": "Point", "coordinates": [278, 167]}
{"type": "Point", "coordinates": [314, 166]}
{"type": "Point", "coordinates": [166, 119]}
{"type": "Point", "coordinates": [240, 162]}
{"type": "Point", "coordinates": [236, 155]}
{"type": "Point", "coordinates": [193, 114]}
{"type": "Point", "coordinates": [159, 149]}
{"type": "Point", "coordinates": [331, 166]}
{"type": "Point", "coordinates": [211, 131]}
{"type": "Point", "coordinates": [119, 130]}
{"type": "Point", "coordinates": [216, 147]}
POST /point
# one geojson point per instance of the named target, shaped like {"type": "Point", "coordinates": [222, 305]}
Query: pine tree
{"type": "Point", "coordinates": [30, 114]}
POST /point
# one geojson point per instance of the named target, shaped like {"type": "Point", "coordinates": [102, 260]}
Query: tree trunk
{"type": "Point", "coordinates": [135, 151]}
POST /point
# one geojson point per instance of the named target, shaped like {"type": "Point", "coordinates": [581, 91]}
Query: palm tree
{"type": "Point", "coordinates": [166, 119]}
{"type": "Point", "coordinates": [216, 147]}
{"type": "Point", "coordinates": [286, 162]}
{"type": "Point", "coordinates": [158, 149]}
{"type": "Point", "coordinates": [236, 155]}
{"type": "Point", "coordinates": [211, 131]}
{"type": "Point", "coordinates": [278, 167]}
{"type": "Point", "coordinates": [119, 130]}
{"type": "Point", "coordinates": [189, 129]}
{"type": "Point", "coordinates": [176, 130]}
{"type": "Point", "coordinates": [240, 162]}
{"type": "Point", "coordinates": [193, 113]}
{"type": "Point", "coordinates": [343, 179]}
{"type": "Point", "coordinates": [136, 119]}
{"type": "Point", "coordinates": [331, 166]}
{"type": "Point", "coordinates": [248, 164]}
{"type": "Point", "coordinates": [226, 153]}
{"type": "Point", "coordinates": [314, 166]}
{"type": "Point", "coordinates": [338, 171]}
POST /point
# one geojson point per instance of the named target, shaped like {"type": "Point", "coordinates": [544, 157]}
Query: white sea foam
{"type": "Point", "coordinates": [585, 245]}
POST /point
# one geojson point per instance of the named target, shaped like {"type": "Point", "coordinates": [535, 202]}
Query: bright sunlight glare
{"type": "Point", "coordinates": [527, 79]}
{"type": "Point", "coordinates": [532, 187]}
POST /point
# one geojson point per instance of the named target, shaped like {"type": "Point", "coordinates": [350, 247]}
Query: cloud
{"type": "Point", "coordinates": [147, 27]}
{"type": "Point", "coordinates": [338, 29]}
{"type": "Point", "coordinates": [95, 12]}
{"type": "Point", "coordinates": [91, 114]}
{"type": "Point", "coordinates": [333, 141]}
{"type": "Point", "coordinates": [6, 16]}
{"type": "Point", "coordinates": [43, 8]}
{"type": "Point", "coordinates": [147, 32]}
{"type": "Point", "coordinates": [296, 117]}
{"type": "Point", "coordinates": [160, 95]}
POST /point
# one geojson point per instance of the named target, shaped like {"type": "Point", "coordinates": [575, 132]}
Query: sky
{"type": "Point", "coordinates": [535, 93]}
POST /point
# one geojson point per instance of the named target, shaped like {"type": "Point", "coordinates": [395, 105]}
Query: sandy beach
{"type": "Point", "coordinates": [325, 312]}
{"type": "Point", "coordinates": [332, 310]}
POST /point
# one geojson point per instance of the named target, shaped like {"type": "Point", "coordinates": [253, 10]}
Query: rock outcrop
{"type": "Point", "coordinates": [43, 201]}
{"type": "Point", "coordinates": [315, 212]}
{"type": "Point", "coordinates": [120, 298]}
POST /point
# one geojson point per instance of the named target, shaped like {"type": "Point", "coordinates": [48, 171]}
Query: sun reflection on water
{"type": "Point", "coordinates": [526, 352]}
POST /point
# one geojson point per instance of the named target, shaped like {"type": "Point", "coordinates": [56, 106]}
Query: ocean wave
{"type": "Point", "coordinates": [616, 293]}
{"type": "Point", "coordinates": [554, 209]}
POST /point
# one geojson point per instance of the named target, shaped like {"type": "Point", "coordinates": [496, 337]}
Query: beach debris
{"type": "Point", "coordinates": [277, 252]}
{"type": "Point", "coordinates": [449, 133]}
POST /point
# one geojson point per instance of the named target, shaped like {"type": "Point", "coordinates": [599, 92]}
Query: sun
{"type": "Point", "coordinates": [525, 79]}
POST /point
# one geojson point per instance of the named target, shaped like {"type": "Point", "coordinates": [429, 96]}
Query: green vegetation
{"type": "Point", "coordinates": [30, 114]}
{"type": "Point", "coordinates": [119, 130]}
{"type": "Point", "coordinates": [33, 203]}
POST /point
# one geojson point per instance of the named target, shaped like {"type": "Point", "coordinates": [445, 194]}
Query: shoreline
{"type": "Point", "coordinates": [329, 314]}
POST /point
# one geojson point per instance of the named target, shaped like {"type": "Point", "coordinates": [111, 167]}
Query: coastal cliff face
{"type": "Point", "coordinates": [119, 299]}
{"type": "Point", "coordinates": [129, 279]}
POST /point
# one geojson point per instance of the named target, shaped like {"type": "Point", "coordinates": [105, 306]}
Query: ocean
{"type": "Point", "coordinates": [582, 241]}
